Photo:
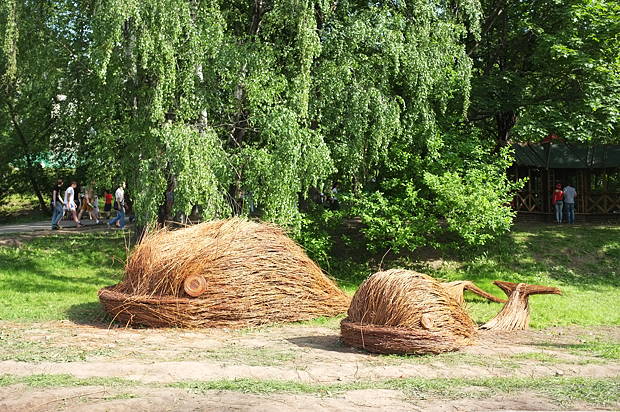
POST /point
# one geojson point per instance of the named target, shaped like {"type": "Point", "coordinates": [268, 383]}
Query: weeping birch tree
{"type": "Point", "coordinates": [214, 98]}
{"type": "Point", "coordinates": [211, 98]}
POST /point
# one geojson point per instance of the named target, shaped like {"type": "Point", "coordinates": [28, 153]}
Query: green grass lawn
{"type": "Point", "coordinates": [57, 276]}
{"type": "Point", "coordinates": [582, 261]}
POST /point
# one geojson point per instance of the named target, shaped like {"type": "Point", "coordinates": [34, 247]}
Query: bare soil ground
{"type": "Point", "coordinates": [154, 358]}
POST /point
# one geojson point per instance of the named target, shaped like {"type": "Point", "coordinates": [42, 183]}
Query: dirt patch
{"type": "Point", "coordinates": [293, 353]}
{"type": "Point", "coordinates": [18, 240]}
{"type": "Point", "coordinates": [97, 399]}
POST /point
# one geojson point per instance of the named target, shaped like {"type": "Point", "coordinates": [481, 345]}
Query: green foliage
{"type": "Point", "coordinates": [10, 36]}
{"type": "Point", "coordinates": [213, 98]}
{"type": "Point", "coordinates": [316, 234]}
{"type": "Point", "coordinates": [475, 199]}
{"type": "Point", "coordinates": [462, 183]}
{"type": "Point", "coordinates": [210, 99]}
{"type": "Point", "coordinates": [548, 67]}
{"type": "Point", "coordinates": [29, 99]}
{"type": "Point", "coordinates": [393, 221]}
{"type": "Point", "coordinates": [215, 110]}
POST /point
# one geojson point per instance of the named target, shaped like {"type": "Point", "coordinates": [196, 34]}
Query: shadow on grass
{"type": "Point", "coordinates": [608, 350]}
{"type": "Point", "coordinates": [91, 313]}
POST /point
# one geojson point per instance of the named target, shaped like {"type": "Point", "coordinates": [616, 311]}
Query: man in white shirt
{"type": "Point", "coordinates": [119, 196]}
{"type": "Point", "coordinates": [70, 203]}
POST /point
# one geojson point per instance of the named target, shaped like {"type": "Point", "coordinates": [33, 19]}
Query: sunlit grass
{"type": "Point", "coordinates": [583, 261]}
{"type": "Point", "coordinates": [57, 276]}
{"type": "Point", "coordinates": [21, 209]}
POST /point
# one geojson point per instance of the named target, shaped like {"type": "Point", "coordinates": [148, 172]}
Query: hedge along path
{"type": "Point", "coordinates": [253, 274]}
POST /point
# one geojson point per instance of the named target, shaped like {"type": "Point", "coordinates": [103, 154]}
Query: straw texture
{"type": "Point", "coordinates": [254, 274]}
{"type": "Point", "coordinates": [405, 312]}
{"type": "Point", "coordinates": [456, 289]}
{"type": "Point", "coordinates": [515, 315]}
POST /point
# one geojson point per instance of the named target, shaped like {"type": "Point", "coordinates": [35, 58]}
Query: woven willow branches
{"type": "Point", "coordinates": [253, 274]}
{"type": "Point", "coordinates": [404, 312]}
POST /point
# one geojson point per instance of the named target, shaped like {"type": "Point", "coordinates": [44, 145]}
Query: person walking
{"type": "Point", "coordinates": [569, 203]}
{"type": "Point", "coordinates": [87, 205]}
{"type": "Point", "coordinates": [57, 204]}
{"type": "Point", "coordinates": [108, 204]}
{"type": "Point", "coordinates": [558, 202]}
{"type": "Point", "coordinates": [70, 205]}
{"type": "Point", "coordinates": [96, 207]}
{"type": "Point", "coordinates": [334, 205]}
{"type": "Point", "coordinates": [119, 195]}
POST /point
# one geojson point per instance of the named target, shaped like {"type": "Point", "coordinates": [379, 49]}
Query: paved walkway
{"type": "Point", "coordinates": [47, 225]}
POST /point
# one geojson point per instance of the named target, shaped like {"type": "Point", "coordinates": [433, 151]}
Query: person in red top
{"type": "Point", "coordinates": [558, 201]}
{"type": "Point", "coordinates": [108, 204]}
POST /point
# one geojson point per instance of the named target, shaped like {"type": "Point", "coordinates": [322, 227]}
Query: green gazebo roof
{"type": "Point", "coordinates": [560, 155]}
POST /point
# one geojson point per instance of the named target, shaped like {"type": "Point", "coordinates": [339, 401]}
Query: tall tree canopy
{"type": "Point", "coordinates": [545, 67]}
{"type": "Point", "coordinates": [273, 97]}
{"type": "Point", "coordinates": [211, 97]}
{"type": "Point", "coordinates": [31, 87]}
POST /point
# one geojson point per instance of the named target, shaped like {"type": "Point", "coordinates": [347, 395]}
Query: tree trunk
{"type": "Point", "coordinates": [257, 17]}
{"type": "Point", "coordinates": [29, 161]}
{"type": "Point", "coordinates": [505, 122]}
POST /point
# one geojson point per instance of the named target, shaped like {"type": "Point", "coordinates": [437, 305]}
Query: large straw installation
{"type": "Point", "coordinates": [227, 273]}
{"type": "Point", "coordinates": [404, 312]}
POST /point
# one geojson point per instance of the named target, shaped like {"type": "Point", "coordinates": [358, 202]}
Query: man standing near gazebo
{"type": "Point", "coordinates": [569, 203]}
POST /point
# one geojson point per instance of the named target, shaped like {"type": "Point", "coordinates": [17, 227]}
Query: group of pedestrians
{"type": "Point", "coordinates": [88, 203]}
{"type": "Point", "coordinates": [564, 200]}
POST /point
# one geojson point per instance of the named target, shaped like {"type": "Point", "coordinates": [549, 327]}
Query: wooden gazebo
{"type": "Point", "coordinates": [594, 171]}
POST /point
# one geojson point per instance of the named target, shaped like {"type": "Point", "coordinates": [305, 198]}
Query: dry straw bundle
{"type": "Point", "coordinates": [456, 289]}
{"type": "Point", "coordinates": [515, 315]}
{"type": "Point", "coordinates": [404, 312]}
{"type": "Point", "coordinates": [227, 273]}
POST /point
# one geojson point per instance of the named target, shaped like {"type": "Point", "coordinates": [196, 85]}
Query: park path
{"type": "Point", "coordinates": [47, 226]}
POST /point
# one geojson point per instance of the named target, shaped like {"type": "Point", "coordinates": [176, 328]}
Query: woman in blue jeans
{"type": "Point", "coordinates": [558, 201]}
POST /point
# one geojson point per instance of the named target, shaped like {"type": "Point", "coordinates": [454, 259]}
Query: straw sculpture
{"type": "Point", "coordinates": [515, 315]}
{"type": "Point", "coordinates": [404, 312]}
{"type": "Point", "coordinates": [456, 289]}
{"type": "Point", "coordinates": [228, 273]}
